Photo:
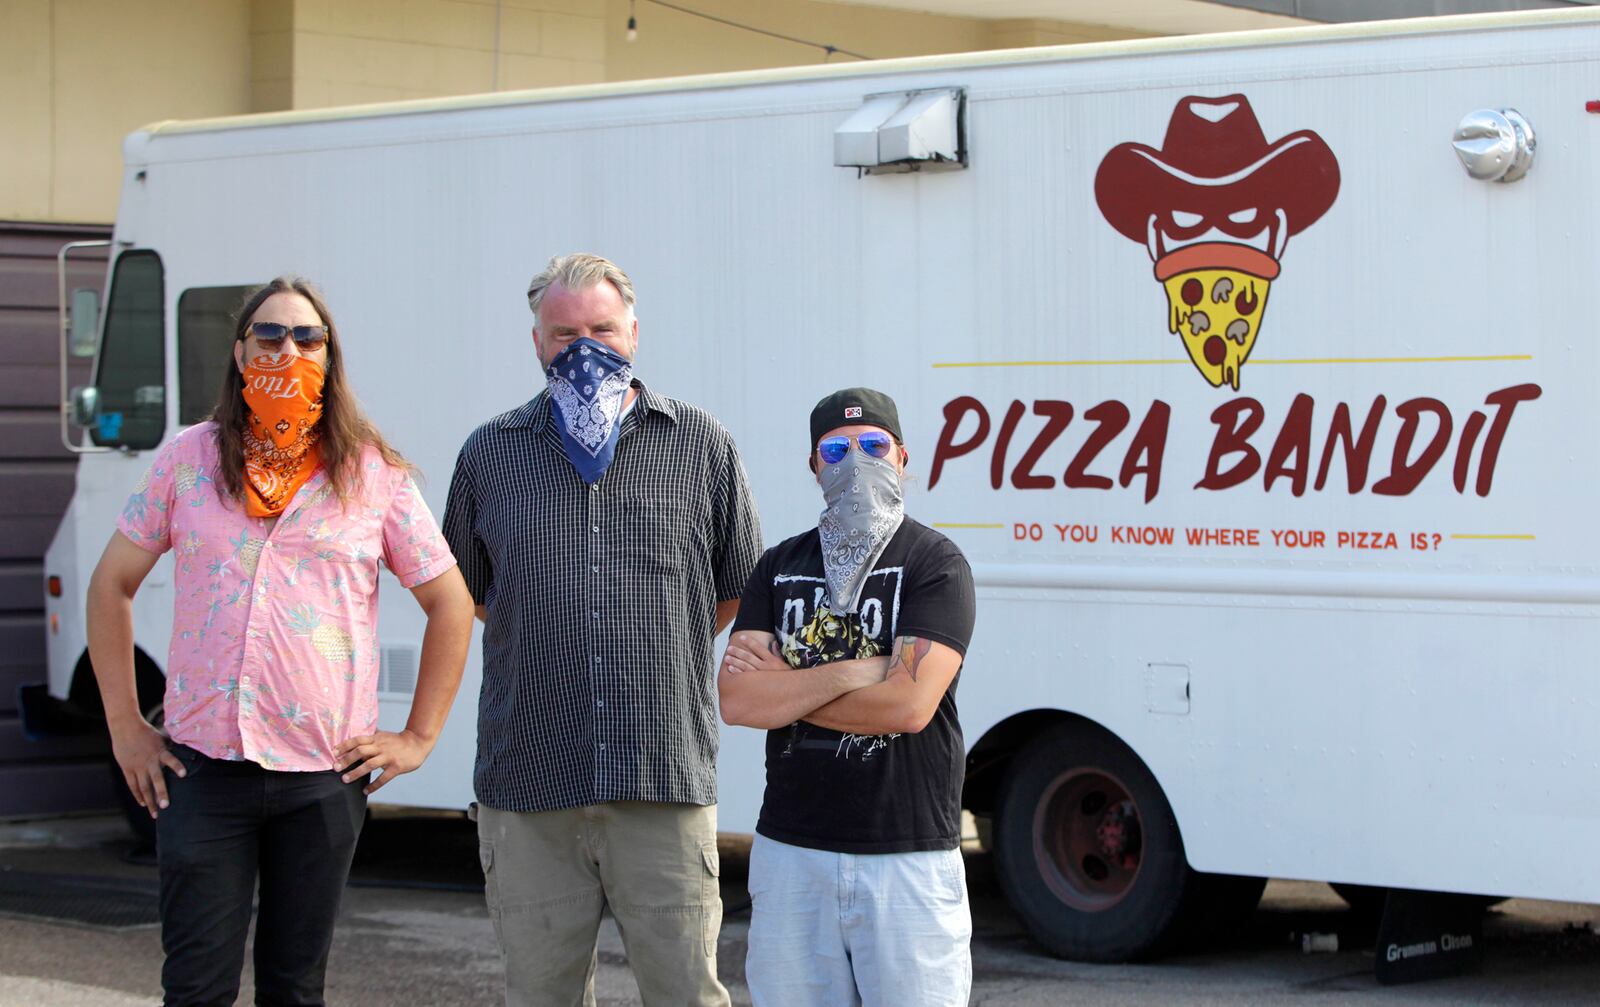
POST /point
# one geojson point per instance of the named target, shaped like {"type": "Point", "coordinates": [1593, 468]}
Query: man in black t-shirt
{"type": "Point", "coordinates": [847, 648]}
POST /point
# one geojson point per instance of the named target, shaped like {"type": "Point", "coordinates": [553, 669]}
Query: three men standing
{"type": "Point", "coordinates": [605, 532]}
{"type": "Point", "coordinates": [847, 648]}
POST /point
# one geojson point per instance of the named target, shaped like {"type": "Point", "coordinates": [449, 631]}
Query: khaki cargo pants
{"type": "Point", "coordinates": [548, 874]}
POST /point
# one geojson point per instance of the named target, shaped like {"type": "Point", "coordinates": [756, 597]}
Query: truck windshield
{"type": "Point", "coordinates": [131, 374]}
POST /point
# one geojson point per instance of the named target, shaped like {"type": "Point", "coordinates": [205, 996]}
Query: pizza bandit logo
{"type": "Point", "coordinates": [1216, 206]}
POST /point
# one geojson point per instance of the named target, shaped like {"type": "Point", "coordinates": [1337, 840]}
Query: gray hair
{"type": "Point", "coordinates": [579, 271]}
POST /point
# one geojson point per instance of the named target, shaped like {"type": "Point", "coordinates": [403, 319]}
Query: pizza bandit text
{"type": "Point", "coordinates": [1244, 447]}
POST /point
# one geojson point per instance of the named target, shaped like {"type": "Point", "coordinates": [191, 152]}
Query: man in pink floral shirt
{"type": "Point", "coordinates": [278, 513]}
{"type": "Point", "coordinates": [274, 655]}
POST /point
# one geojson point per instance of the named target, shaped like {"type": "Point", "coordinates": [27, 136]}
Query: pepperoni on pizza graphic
{"type": "Point", "coordinates": [1215, 206]}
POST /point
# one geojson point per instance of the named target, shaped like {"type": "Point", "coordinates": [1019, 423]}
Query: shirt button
{"type": "Point", "coordinates": [595, 529]}
{"type": "Point", "coordinates": [597, 659]}
{"type": "Point", "coordinates": [594, 487]}
{"type": "Point", "coordinates": [599, 702]}
{"type": "Point", "coordinates": [602, 746]}
{"type": "Point", "coordinates": [244, 679]}
{"type": "Point", "coordinates": [595, 614]}
{"type": "Point", "coordinates": [594, 569]}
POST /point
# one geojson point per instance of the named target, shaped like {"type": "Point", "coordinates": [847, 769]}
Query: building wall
{"type": "Point", "coordinates": [37, 476]}
{"type": "Point", "coordinates": [79, 75]}
{"type": "Point", "coordinates": [1021, 33]}
{"type": "Point", "coordinates": [315, 53]}
{"type": "Point", "coordinates": [671, 43]}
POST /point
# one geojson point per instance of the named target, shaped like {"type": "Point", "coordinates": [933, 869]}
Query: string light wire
{"type": "Point", "coordinates": [825, 47]}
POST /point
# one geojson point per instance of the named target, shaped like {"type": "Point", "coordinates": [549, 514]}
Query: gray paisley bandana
{"type": "Point", "coordinates": [865, 507]}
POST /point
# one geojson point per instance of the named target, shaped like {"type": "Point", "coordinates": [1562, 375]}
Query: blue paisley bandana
{"type": "Point", "coordinates": [588, 383]}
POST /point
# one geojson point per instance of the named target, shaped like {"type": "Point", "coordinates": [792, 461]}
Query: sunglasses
{"type": "Point", "coordinates": [873, 442]}
{"type": "Point", "coordinates": [270, 335]}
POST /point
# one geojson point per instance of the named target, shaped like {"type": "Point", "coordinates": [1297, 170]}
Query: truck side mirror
{"type": "Point", "coordinates": [84, 321]}
{"type": "Point", "coordinates": [85, 405]}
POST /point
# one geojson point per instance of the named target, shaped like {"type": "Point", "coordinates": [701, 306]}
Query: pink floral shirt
{"type": "Point", "coordinates": [274, 653]}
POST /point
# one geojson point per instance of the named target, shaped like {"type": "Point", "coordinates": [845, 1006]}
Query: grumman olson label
{"type": "Point", "coordinates": [1446, 942]}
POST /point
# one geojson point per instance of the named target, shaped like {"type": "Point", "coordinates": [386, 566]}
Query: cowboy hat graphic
{"type": "Point", "coordinates": [1215, 207]}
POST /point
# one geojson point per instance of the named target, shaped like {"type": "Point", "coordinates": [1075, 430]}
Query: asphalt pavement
{"type": "Point", "coordinates": [414, 931]}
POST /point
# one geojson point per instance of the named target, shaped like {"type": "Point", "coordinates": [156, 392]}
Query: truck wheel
{"type": "Point", "coordinates": [1087, 849]}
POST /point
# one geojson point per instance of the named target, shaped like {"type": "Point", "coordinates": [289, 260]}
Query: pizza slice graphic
{"type": "Point", "coordinates": [1216, 295]}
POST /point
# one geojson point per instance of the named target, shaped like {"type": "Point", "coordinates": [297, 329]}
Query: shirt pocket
{"type": "Point", "coordinates": [654, 535]}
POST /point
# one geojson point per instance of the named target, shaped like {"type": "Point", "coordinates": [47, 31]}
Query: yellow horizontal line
{"type": "Point", "coordinates": [1507, 358]}
{"type": "Point", "coordinates": [1401, 360]}
{"type": "Point", "coordinates": [947, 524]}
{"type": "Point", "coordinates": [1518, 538]}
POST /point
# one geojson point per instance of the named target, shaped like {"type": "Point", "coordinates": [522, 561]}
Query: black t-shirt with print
{"type": "Point", "coordinates": [852, 793]}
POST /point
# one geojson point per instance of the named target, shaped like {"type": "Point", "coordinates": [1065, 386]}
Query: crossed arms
{"type": "Point", "coordinates": [897, 694]}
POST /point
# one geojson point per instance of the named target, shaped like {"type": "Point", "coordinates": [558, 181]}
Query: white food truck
{"type": "Point", "coordinates": [1247, 370]}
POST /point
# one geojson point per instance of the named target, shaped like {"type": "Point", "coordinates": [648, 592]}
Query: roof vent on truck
{"type": "Point", "coordinates": [904, 131]}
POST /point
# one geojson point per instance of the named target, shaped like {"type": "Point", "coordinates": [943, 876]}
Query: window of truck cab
{"type": "Point", "coordinates": [131, 372]}
{"type": "Point", "coordinates": [205, 346]}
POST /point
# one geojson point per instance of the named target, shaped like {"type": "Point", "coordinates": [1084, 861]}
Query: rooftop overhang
{"type": "Point", "coordinates": [1145, 17]}
{"type": "Point", "coordinates": [1194, 17]}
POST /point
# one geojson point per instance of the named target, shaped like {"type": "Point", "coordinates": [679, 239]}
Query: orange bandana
{"type": "Point", "coordinates": [284, 393]}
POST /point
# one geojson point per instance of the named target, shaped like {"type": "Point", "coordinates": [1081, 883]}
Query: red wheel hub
{"type": "Point", "coordinates": [1088, 842]}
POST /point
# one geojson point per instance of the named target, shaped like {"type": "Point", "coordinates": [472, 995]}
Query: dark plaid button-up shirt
{"type": "Point", "coordinates": [599, 681]}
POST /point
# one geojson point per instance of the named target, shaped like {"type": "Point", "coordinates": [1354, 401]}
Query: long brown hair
{"type": "Point", "coordinates": [345, 428]}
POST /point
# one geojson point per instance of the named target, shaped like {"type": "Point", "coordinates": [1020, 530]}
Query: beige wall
{"type": "Point", "coordinates": [314, 53]}
{"type": "Point", "coordinates": [1022, 33]}
{"type": "Point", "coordinates": [672, 43]}
{"type": "Point", "coordinates": [79, 75]}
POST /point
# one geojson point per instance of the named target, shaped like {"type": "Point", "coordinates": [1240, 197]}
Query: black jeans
{"type": "Point", "coordinates": [226, 823]}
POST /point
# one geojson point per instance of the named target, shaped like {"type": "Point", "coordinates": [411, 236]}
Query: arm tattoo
{"type": "Point", "coordinates": [908, 654]}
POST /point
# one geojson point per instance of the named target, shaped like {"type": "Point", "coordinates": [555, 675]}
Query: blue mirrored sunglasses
{"type": "Point", "coordinates": [873, 442]}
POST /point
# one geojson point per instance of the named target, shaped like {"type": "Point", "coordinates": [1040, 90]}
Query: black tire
{"type": "Point", "coordinates": [1087, 849]}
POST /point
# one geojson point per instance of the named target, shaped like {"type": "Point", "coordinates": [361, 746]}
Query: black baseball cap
{"type": "Point", "coordinates": [851, 406]}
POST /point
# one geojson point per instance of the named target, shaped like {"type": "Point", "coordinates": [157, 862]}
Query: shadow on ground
{"type": "Point", "coordinates": [439, 850]}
